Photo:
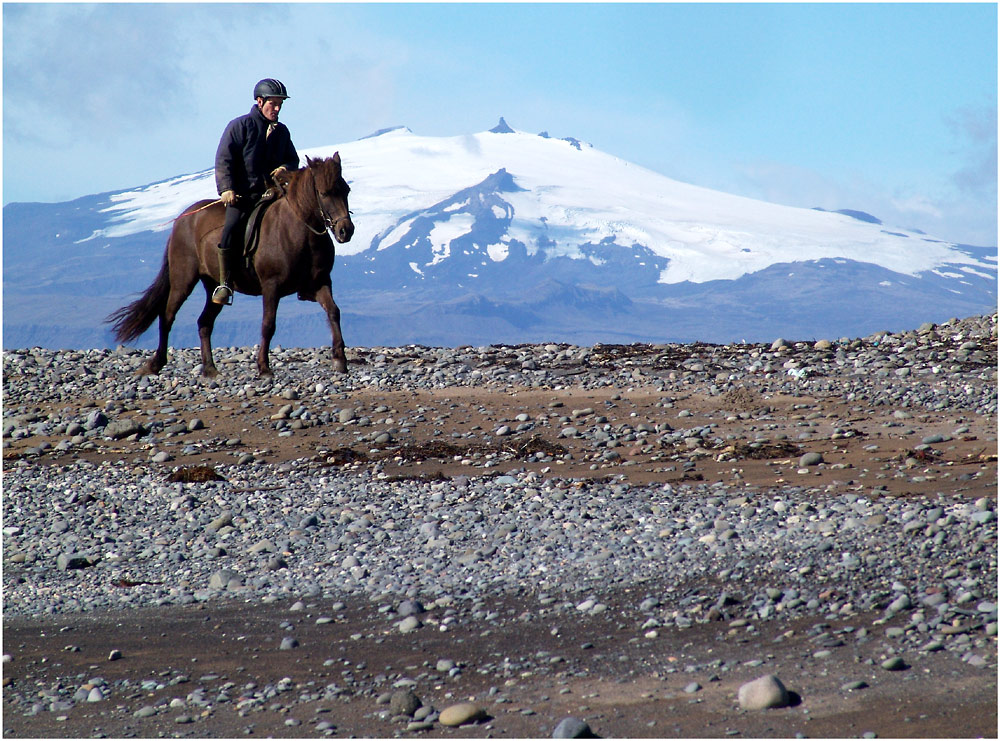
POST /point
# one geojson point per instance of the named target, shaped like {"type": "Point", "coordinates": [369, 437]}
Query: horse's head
{"type": "Point", "coordinates": [331, 196]}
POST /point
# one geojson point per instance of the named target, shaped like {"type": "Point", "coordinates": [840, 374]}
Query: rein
{"type": "Point", "coordinates": [328, 223]}
{"type": "Point", "coordinates": [189, 213]}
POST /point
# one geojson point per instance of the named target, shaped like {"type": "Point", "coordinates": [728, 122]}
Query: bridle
{"type": "Point", "coordinates": [329, 224]}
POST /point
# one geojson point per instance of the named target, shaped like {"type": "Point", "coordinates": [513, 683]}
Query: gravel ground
{"type": "Point", "coordinates": [559, 537]}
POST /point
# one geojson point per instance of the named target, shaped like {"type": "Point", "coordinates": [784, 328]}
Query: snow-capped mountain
{"type": "Point", "coordinates": [505, 236]}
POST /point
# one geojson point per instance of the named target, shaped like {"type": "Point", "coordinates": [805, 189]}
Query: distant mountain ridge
{"type": "Point", "coordinates": [508, 237]}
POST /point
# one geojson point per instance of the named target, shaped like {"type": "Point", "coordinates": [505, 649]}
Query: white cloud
{"type": "Point", "coordinates": [975, 130]}
{"type": "Point", "coordinates": [917, 206]}
{"type": "Point", "coordinates": [936, 208]}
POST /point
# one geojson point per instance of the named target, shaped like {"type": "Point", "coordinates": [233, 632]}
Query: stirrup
{"type": "Point", "coordinates": [223, 295]}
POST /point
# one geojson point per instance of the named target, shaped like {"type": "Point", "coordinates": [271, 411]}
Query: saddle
{"type": "Point", "coordinates": [251, 234]}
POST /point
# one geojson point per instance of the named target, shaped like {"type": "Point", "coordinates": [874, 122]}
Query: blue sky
{"type": "Point", "coordinates": [888, 108]}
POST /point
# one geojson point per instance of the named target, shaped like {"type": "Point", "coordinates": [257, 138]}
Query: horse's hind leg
{"type": "Point", "coordinates": [159, 358]}
{"type": "Point", "coordinates": [179, 291]}
{"type": "Point", "coordinates": [325, 299]}
{"type": "Point", "coordinates": [206, 323]}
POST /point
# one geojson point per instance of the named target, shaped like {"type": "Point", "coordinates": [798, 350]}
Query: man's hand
{"type": "Point", "coordinates": [229, 197]}
{"type": "Point", "coordinates": [279, 176]}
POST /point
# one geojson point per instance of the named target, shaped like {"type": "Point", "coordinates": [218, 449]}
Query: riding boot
{"type": "Point", "coordinates": [223, 294]}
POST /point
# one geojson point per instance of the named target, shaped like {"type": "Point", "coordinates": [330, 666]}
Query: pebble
{"type": "Point", "coordinates": [404, 702]}
{"type": "Point", "coordinates": [810, 459]}
{"type": "Point", "coordinates": [409, 607]}
{"type": "Point", "coordinates": [226, 518]}
{"type": "Point", "coordinates": [678, 539]}
{"type": "Point", "coordinates": [72, 561]}
{"type": "Point", "coordinates": [409, 624]}
{"type": "Point", "coordinates": [762, 693]}
{"type": "Point", "coordinates": [122, 428]}
{"type": "Point", "coordinates": [902, 602]}
{"type": "Point", "coordinates": [222, 579]}
{"type": "Point", "coordinates": [270, 532]}
{"type": "Point", "coordinates": [461, 713]}
{"type": "Point", "coordinates": [894, 664]}
{"type": "Point", "coordinates": [572, 727]}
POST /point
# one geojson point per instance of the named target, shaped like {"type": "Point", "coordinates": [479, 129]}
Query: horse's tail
{"type": "Point", "coordinates": [131, 321]}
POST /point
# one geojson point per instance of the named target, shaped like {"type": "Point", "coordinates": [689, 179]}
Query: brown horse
{"type": "Point", "coordinates": [295, 255]}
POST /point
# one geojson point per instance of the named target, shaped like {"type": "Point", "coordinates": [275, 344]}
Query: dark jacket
{"type": "Point", "coordinates": [246, 155]}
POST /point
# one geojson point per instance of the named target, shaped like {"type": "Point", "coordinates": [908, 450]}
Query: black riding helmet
{"type": "Point", "coordinates": [270, 88]}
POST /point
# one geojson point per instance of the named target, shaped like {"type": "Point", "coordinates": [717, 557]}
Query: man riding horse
{"type": "Point", "coordinates": [253, 148]}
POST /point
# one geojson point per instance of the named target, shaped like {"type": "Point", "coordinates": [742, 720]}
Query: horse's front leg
{"type": "Point", "coordinates": [267, 326]}
{"type": "Point", "coordinates": [325, 299]}
{"type": "Point", "coordinates": [206, 323]}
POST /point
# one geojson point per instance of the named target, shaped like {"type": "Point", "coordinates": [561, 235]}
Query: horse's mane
{"type": "Point", "coordinates": [300, 185]}
{"type": "Point", "coordinates": [326, 172]}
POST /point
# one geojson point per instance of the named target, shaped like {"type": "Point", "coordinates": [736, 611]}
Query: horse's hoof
{"type": "Point", "coordinates": [146, 370]}
{"type": "Point", "coordinates": [209, 371]}
{"type": "Point", "coordinates": [266, 373]}
{"type": "Point", "coordinates": [340, 366]}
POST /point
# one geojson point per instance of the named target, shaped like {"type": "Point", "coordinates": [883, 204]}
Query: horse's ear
{"type": "Point", "coordinates": [336, 157]}
{"type": "Point", "coordinates": [309, 162]}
